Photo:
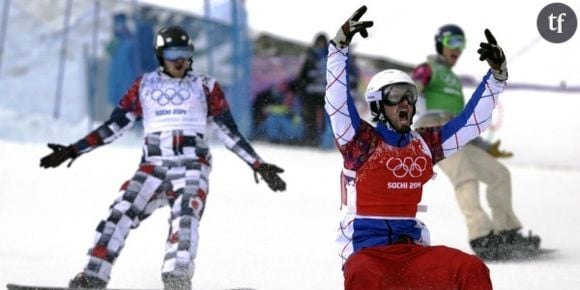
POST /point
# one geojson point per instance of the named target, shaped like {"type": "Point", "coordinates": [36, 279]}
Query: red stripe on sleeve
{"type": "Point", "coordinates": [94, 139]}
{"type": "Point", "coordinates": [130, 100]}
{"type": "Point", "coordinates": [217, 102]}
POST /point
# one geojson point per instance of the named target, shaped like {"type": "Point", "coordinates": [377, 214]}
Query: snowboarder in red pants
{"type": "Point", "coordinates": [382, 243]}
{"type": "Point", "coordinates": [411, 266]}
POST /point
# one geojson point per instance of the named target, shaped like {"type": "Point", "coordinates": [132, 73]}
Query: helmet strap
{"type": "Point", "coordinates": [378, 112]}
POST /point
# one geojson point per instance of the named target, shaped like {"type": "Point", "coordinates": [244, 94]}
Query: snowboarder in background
{"type": "Point", "coordinates": [123, 66]}
{"type": "Point", "coordinates": [312, 88]}
{"type": "Point", "coordinates": [277, 116]}
{"type": "Point", "coordinates": [382, 243]}
{"type": "Point", "coordinates": [442, 99]}
{"type": "Point", "coordinates": [176, 106]}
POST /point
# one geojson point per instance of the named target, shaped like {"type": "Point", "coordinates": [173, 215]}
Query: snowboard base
{"type": "Point", "coordinates": [11, 286]}
{"type": "Point", "coordinates": [517, 255]}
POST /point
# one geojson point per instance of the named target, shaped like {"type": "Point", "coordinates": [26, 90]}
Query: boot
{"type": "Point", "coordinates": [516, 240]}
{"type": "Point", "coordinates": [82, 280]}
{"type": "Point", "coordinates": [176, 282]}
{"type": "Point", "coordinates": [486, 247]}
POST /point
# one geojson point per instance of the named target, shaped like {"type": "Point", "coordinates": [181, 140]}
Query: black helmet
{"type": "Point", "coordinates": [445, 30]}
{"type": "Point", "coordinates": [171, 36]}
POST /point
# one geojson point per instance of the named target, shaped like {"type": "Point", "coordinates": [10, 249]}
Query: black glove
{"type": "Point", "coordinates": [59, 155]}
{"type": "Point", "coordinates": [269, 172]}
{"type": "Point", "coordinates": [494, 55]}
{"type": "Point", "coordinates": [351, 27]}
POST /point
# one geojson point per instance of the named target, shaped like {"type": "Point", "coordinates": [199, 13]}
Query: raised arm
{"type": "Point", "coordinates": [339, 106]}
{"type": "Point", "coordinates": [476, 116]}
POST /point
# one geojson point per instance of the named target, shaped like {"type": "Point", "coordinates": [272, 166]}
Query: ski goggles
{"type": "Point", "coordinates": [396, 93]}
{"type": "Point", "coordinates": [175, 53]}
{"type": "Point", "coordinates": [454, 41]}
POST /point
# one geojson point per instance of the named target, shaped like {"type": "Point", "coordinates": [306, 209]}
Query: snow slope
{"type": "Point", "coordinates": [255, 238]}
{"type": "Point", "coordinates": [249, 236]}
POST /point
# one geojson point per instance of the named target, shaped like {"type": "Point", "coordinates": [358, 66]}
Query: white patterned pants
{"type": "Point", "coordinates": [184, 188]}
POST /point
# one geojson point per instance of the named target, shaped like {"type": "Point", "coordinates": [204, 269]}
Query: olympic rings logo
{"type": "Point", "coordinates": [407, 166]}
{"type": "Point", "coordinates": [170, 95]}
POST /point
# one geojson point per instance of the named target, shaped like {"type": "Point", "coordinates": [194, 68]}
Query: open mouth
{"type": "Point", "coordinates": [403, 116]}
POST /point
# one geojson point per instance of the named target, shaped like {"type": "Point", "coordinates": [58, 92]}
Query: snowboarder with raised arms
{"type": "Point", "coordinates": [382, 243]}
{"type": "Point", "coordinates": [491, 237]}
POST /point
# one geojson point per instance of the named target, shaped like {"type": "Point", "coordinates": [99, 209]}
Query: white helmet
{"type": "Point", "coordinates": [381, 87]}
{"type": "Point", "coordinates": [382, 79]}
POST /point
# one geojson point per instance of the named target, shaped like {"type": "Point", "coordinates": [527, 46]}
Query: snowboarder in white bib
{"type": "Point", "coordinates": [176, 106]}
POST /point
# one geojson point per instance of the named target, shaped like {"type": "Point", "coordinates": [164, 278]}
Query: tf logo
{"type": "Point", "coordinates": [557, 22]}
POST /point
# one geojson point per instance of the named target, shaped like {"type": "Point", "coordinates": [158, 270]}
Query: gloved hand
{"type": "Point", "coordinates": [494, 55]}
{"type": "Point", "coordinates": [59, 155]}
{"type": "Point", "coordinates": [494, 151]}
{"type": "Point", "coordinates": [351, 27]}
{"type": "Point", "coordinates": [269, 172]}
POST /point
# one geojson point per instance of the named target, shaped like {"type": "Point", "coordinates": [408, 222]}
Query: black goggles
{"type": "Point", "coordinates": [396, 93]}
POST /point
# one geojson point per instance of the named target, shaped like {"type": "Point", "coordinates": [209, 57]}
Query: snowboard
{"type": "Point", "coordinates": [29, 287]}
{"type": "Point", "coordinates": [521, 255]}
{"type": "Point", "coordinates": [537, 254]}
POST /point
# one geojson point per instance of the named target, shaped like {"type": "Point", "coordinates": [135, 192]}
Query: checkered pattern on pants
{"type": "Point", "coordinates": [184, 188]}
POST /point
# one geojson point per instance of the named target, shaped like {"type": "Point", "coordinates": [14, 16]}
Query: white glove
{"type": "Point", "coordinates": [494, 55]}
{"type": "Point", "coordinates": [351, 27]}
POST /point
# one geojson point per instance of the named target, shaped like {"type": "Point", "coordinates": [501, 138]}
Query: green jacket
{"type": "Point", "coordinates": [444, 91]}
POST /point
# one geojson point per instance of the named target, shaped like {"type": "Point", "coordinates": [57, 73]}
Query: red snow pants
{"type": "Point", "coordinates": [411, 266]}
